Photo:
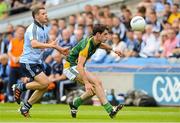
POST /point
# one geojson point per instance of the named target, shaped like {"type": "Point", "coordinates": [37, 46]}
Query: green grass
{"type": "Point", "coordinates": [51, 113]}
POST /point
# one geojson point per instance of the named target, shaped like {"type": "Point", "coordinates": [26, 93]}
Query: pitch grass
{"type": "Point", "coordinates": [52, 113]}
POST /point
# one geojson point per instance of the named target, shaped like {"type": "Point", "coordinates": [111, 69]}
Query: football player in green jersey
{"type": "Point", "coordinates": [74, 70]}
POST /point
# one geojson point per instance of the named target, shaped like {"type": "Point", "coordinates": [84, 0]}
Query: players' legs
{"type": "Point", "coordinates": [40, 82]}
{"type": "Point", "coordinates": [98, 88]}
{"type": "Point", "coordinates": [40, 85]}
{"type": "Point", "coordinates": [87, 94]}
{"type": "Point", "coordinates": [99, 91]}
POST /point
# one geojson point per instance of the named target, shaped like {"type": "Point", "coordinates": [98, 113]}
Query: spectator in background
{"type": "Point", "coordinates": [87, 8]}
{"type": "Point", "coordinates": [16, 4]}
{"type": "Point", "coordinates": [166, 25]}
{"type": "Point", "coordinates": [10, 28]}
{"type": "Point", "coordinates": [149, 45]}
{"type": "Point", "coordinates": [109, 23]}
{"type": "Point", "coordinates": [78, 36]}
{"type": "Point", "coordinates": [152, 19]}
{"type": "Point", "coordinates": [3, 76]}
{"type": "Point", "coordinates": [71, 29]}
{"type": "Point", "coordinates": [89, 27]}
{"type": "Point", "coordinates": [4, 71]}
{"type": "Point", "coordinates": [56, 67]}
{"type": "Point", "coordinates": [109, 38]}
{"type": "Point", "coordinates": [119, 28]}
{"type": "Point", "coordinates": [175, 25]}
{"type": "Point", "coordinates": [15, 51]}
{"type": "Point", "coordinates": [48, 51]}
{"type": "Point", "coordinates": [138, 36]}
{"type": "Point", "coordinates": [102, 20]}
{"type": "Point", "coordinates": [119, 45]}
{"type": "Point", "coordinates": [174, 13]}
{"type": "Point", "coordinates": [6, 38]}
{"type": "Point", "coordinates": [80, 22]}
{"type": "Point", "coordinates": [170, 44]}
{"type": "Point", "coordinates": [65, 42]}
{"type": "Point", "coordinates": [163, 37]}
{"type": "Point", "coordinates": [158, 6]}
{"type": "Point", "coordinates": [19, 6]}
{"type": "Point", "coordinates": [54, 29]}
{"type": "Point", "coordinates": [178, 36]}
{"type": "Point", "coordinates": [89, 15]}
{"type": "Point", "coordinates": [106, 11]}
{"type": "Point", "coordinates": [54, 22]}
{"type": "Point", "coordinates": [72, 20]}
{"type": "Point", "coordinates": [56, 73]}
{"type": "Point", "coordinates": [141, 11]}
{"type": "Point", "coordinates": [166, 12]}
{"type": "Point", "coordinates": [3, 9]}
{"type": "Point", "coordinates": [95, 12]}
{"type": "Point", "coordinates": [122, 9]}
{"type": "Point", "coordinates": [37, 3]}
{"type": "Point", "coordinates": [127, 18]}
{"type": "Point", "coordinates": [61, 24]}
{"type": "Point", "coordinates": [131, 43]}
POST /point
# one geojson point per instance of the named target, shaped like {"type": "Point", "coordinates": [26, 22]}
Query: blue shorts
{"type": "Point", "coordinates": [31, 70]}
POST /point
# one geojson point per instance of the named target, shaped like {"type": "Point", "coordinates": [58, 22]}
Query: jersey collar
{"type": "Point", "coordinates": [38, 24]}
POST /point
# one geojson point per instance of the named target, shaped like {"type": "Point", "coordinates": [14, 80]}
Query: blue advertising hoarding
{"type": "Point", "coordinates": [165, 88]}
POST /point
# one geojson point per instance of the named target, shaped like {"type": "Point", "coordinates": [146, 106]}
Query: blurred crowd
{"type": "Point", "coordinates": [161, 38]}
{"type": "Point", "coordinates": [12, 7]}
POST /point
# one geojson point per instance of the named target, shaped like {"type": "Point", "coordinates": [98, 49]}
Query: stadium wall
{"type": "Point", "coordinates": [163, 86]}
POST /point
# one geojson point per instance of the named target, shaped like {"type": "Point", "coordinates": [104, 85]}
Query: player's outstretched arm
{"type": "Point", "coordinates": [64, 51]}
{"type": "Point", "coordinates": [37, 44]}
{"type": "Point", "coordinates": [109, 48]}
{"type": "Point", "coordinates": [106, 47]}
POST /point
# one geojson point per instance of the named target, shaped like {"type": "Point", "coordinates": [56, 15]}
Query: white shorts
{"type": "Point", "coordinates": [71, 73]}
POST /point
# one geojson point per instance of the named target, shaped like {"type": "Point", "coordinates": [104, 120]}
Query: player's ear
{"type": "Point", "coordinates": [98, 34]}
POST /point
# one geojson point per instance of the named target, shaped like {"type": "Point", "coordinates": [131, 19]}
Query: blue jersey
{"type": "Point", "coordinates": [34, 32]}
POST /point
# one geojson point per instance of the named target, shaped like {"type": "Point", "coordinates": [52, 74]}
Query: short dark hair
{"type": "Point", "coordinates": [99, 28]}
{"type": "Point", "coordinates": [123, 6]}
{"type": "Point", "coordinates": [36, 11]}
{"type": "Point", "coordinates": [167, 3]}
{"type": "Point", "coordinates": [175, 4]}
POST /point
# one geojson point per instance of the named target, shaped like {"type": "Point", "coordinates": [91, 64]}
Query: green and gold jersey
{"type": "Point", "coordinates": [85, 48]}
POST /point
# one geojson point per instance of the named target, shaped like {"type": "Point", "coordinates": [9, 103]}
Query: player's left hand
{"type": "Point", "coordinates": [65, 51]}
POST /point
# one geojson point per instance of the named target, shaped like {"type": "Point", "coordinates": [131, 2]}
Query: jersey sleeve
{"type": "Point", "coordinates": [32, 33]}
{"type": "Point", "coordinates": [85, 49]}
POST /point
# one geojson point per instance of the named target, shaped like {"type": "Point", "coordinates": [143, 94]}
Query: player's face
{"type": "Point", "coordinates": [42, 16]}
{"type": "Point", "coordinates": [104, 36]}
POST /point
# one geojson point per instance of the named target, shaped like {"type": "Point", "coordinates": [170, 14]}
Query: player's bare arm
{"type": "Point", "coordinates": [109, 48]}
{"type": "Point", "coordinates": [80, 68]}
{"type": "Point", "coordinates": [64, 51]}
{"type": "Point", "coordinates": [36, 44]}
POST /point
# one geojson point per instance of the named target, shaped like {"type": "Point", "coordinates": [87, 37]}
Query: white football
{"type": "Point", "coordinates": [138, 23]}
